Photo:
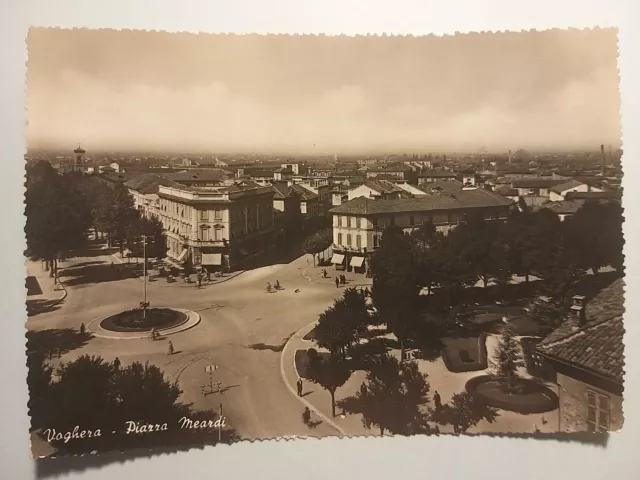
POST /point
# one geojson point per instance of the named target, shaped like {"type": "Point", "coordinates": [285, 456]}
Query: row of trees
{"type": "Point", "coordinates": [317, 243]}
{"type": "Point", "coordinates": [528, 243]}
{"type": "Point", "coordinates": [60, 209]}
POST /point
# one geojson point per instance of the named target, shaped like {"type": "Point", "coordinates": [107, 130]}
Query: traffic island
{"type": "Point", "coordinates": [135, 324]}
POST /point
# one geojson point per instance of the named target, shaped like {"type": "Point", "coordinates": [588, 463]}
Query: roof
{"type": "Point", "coordinates": [565, 207]}
{"type": "Point", "coordinates": [507, 192]}
{"type": "Point", "coordinates": [79, 150]}
{"type": "Point", "coordinates": [203, 175]}
{"type": "Point", "coordinates": [598, 344]}
{"type": "Point", "coordinates": [445, 186]}
{"type": "Point", "coordinates": [280, 190]}
{"type": "Point", "coordinates": [536, 183]}
{"type": "Point", "coordinates": [596, 195]}
{"type": "Point", "coordinates": [302, 192]}
{"type": "Point", "coordinates": [383, 186]}
{"type": "Point", "coordinates": [437, 174]}
{"type": "Point", "coordinates": [563, 187]}
{"type": "Point", "coordinates": [116, 177]}
{"type": "Point", "coordinates": [146, 183]}
{"type": "Point", "coordinates": [460, 200]}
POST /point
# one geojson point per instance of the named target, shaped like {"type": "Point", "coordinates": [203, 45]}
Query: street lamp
{"type": "Point", "coordinates": [144, 304]}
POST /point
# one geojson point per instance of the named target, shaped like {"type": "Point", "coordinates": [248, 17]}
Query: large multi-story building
{"type": "Point", "coordinates": [220, 228]}
{"type": "Point", "coordinates": [358, 224]}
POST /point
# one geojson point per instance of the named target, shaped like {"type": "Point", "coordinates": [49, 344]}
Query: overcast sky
{"type": "Point", "coordinates": [119, 90]}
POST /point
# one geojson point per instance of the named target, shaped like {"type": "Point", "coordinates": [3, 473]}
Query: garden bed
{"type": "Point", "coordinates": [465, 354]}
{"type": "Point", "coordinates": [527, 397]}
{"type": "Point", "coordinates": [133, 321]}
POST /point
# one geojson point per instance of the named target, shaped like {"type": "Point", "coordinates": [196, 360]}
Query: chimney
{"type": "Point", "coordinates": [602, 154]}
{"type": "Point", "coordinates": [578, 309]}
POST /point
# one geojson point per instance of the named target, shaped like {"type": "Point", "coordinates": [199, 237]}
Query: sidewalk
{"type": "Point", "coordinates": [314, 274]}
{"type": "Point", "coordinates": [155, 280]}
{"type": "Point", "coordinates": [317, 398]}
{"type": "Point", "coordinates": [42, 291]}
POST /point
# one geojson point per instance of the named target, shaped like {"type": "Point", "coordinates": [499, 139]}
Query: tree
{"type": "Point", "coordinates": [392, 398]}
{"type": "Point", "coordinates": [594, 233]}
{"type": "Point", "coordinates": [56, 217]}
{"type": "Point", "coordinates": [507, 357]}
{"type": "Point", "coordinates": [151, 228]}
{"type": "Point", "coordinates": [120, 215]}
{"type": "Point", "coordinates": [318, 242]}
{"type": "Point", "coordinates": [330, 373]}
{"type": "Point", "coordinates": [463, 412]}
{"type": "Point", "coordinates": [395, 291]}
{"type": "Point", "coordinates": [342, 324]}
{"type": "Point", "coordinates": [96, 394]}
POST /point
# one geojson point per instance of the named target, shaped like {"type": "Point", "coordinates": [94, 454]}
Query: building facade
{"type": "Point", "coordinates": [586, 353]}
{"type": "Point", "coordinates": [219, 228]}
{"type": "Point", "coordinates": [358, 224]}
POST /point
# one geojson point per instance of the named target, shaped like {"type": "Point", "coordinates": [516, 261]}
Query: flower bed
{"type": "Point", "coordinates": [465, 354]}
{"type": "Point", "coordinates": [527, 397]}
{"type": "Point", "coordinates": [133, 321]}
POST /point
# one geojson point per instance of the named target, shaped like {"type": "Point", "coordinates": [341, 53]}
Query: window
{"type": "Point", "coordinates": [218, 234]}
{"type": "Point", "coordinates": [339, 221]}
{"type": "Point", "coordinates": [218, 215]}
{"type": "Point", "coordinates": [363, 223]}
{"type": "Point", "coordinates": [204, 234]}
{"type": "Point", "coordinates": [352, 222]}
{"type": "Point", "coordinates": [374, 222]}
{"type": "Point", "coordinates": [339, 239]}
{"type": "Point", "coordinates": [358, 241]}
{"type": "Point", "coordinates": [411, 220]}
{"type": "Point", "coordinates": [204, 214]}
{"type": "Point", "coordinates": [598, 412]}
{"type": "Point", "coordinates": [348, 239]}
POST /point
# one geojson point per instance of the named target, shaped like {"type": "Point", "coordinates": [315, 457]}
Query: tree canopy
{"type": "Point", "coordinates": [318, 242]}
{"type": "Point", "coordinates": [392, 397]}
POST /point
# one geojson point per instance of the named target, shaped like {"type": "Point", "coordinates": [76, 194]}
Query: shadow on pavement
{"type": "Point", "coordinates": [33, 287]}
{"type": "Point", "coordinates": [55, 341]}
{"type": "Point", "coordinates": [36, 307]}
{"type": "Point", "coordinates": [98, 273]}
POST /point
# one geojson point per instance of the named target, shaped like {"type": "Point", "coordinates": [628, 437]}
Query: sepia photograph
{"type": "Point", "coordinates": [246, 237]}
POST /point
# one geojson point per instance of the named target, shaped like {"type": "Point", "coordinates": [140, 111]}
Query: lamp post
{"type": "Point", "coordinates": [144, 304]}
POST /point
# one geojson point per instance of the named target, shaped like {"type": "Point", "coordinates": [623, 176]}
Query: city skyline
{"type": "Point", "coordinates": [118, 90]}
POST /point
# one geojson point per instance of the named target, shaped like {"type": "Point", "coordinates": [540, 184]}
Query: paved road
{"type": "Point", "coordinates": [235, 315]}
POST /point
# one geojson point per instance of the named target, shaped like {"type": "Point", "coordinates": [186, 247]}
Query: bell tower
{"type": "Point", "coordinates": [79, 159]}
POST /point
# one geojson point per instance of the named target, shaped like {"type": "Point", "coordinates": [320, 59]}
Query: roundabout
{"type": "Point", "coordinates": [137, 320]}
{"type": "Point", "coordinates": [133, 324]}
{"type": "Point", "coordinates": [525, 397]}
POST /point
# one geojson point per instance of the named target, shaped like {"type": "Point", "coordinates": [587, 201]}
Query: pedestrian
{"type": "Point", "coordinates": [363, 390]}
{"type": "Point", "coordinates": [278, 285]}
{"type": "Point", "coordinates": [82, 329]}
{"type": "Point", "coordinates": [306, 416]}
{"type": "Point", "coordinates": [171, 348]}
{"type": "Point", "coordinates": [116, 364]}
{"type": "Point", "coordinates": [437, 400]}
{"type": "Point", "coordinates": [153, 333]}
{"type": "Point", "coordinates": [436, 430]}
{"type": "Point", "coordinates": [337, 283]}
{"type": "Point", "coordinates": [299, 387]}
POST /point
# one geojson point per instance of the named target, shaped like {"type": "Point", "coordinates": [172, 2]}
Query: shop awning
{"type": "Point", "coordinates": [183, 254]}
{"type": "Point", "coordinates": [211, 259]}
{"type": "Point", "coordinates": [337, 259]}
{"type": "Point", "coordinates": [357, 261]}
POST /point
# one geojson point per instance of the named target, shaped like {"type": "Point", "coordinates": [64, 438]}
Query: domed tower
{"type": "Point", "coordinates": [79, 159]}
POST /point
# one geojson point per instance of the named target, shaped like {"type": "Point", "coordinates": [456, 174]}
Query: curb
{"type": "Point", "coordinates": [55, 302]}
{"type": "Point", "coordinates": [293, 392]}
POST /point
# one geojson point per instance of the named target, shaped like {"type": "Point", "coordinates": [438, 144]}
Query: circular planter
{"type": "Point", "coordinates": [133, 321]}
{"type": "Point", "coordinates": [527, 396]}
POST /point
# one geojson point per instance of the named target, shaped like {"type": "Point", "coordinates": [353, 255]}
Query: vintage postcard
{"type": "Point", "coordinates": [244, 237]}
